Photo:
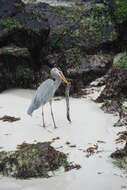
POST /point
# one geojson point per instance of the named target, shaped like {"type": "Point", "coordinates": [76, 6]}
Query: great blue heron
{"type": "Point", "coordinates": [46, 91]}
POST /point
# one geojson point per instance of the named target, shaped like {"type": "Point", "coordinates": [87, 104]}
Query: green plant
{"type": "Point", "coordinates": [121, 61]}
{"type": "Point", "coordinates": [121, 163]}
{"type": "Point", "coordinates": [121, 10]}
{"type": "Point", "coordinates": [81, 25]}
{"type": "Point", "coordinates": [9, 23]}
{"type": "Point", "coordinates": [73, 56]}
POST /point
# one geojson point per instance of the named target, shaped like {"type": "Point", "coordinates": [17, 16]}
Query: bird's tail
{"type": "Point", "coordinates": [30, 111]}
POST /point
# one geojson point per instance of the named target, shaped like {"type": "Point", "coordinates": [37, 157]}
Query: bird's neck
{"type": "Point", "coordinates": [57, 83]}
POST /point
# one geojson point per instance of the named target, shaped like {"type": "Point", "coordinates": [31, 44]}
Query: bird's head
{"type": "Point", "coordinates": [56, 73]}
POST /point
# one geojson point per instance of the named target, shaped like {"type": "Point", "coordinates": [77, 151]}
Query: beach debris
{"type": "Point", "coordinates": [9, 118]}
{"type": "Point", "coordinates": [80, 149]}
{"type": "Point", "coordinates": [72, 146]}
{"type": "Point", "coordinates": [72, 166]}
{"type": "Point", "coordinates": [22, 146]}
{"type": "Point", "coordinates": [119, 153]}
{"type": "Point", "coordinates": [122, 121]}
{"type": "Point", "coordinates": [100, 141]}
{"type": "Point", "coordinates": [33, 160]}
{"type": "Point", "coordinates": [122, 137]}
{"type": "Point", "coordinates": [68, 143]}
{"type": "Point", "coordinates": [56, 138]}
{"type": "Point", "coordinates": [120, 157]}
{"type": "Point", "coordinates": [59, 147]}
{"type": "Point", "coordinates": [57, 98]}
{"type": "Point", "coordinates": [123, 186]}
{"type": "Point", "coordinates": [116, 106]}
{"type": "Point", "coordinates": [99, 151]}
{"type": "Point", "coordinates": [91, 150]}
{"type": "Point", "coordinates": [113, 106]}
{"type": "Point", "coordinates": [99, 173]}
{"type": "Point", "coordinates": [7, 134]}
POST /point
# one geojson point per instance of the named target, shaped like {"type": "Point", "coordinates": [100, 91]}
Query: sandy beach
{"type": "Point", "coordinates": [89, 126]}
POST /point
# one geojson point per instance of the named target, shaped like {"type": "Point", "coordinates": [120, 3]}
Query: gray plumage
{"type": "Point", "coordinates": [43, 94]}
{"type": "Point", "coordinates": [46, 91]}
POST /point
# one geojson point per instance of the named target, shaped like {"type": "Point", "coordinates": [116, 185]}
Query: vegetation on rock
{"type": "Point", "coordinates": [120, 61]}
{"type": "Point", "coordinates": [75, 32]}
{"type": "Point", "coordinates": [9, 23]}
{"type": "Point", "coordinates": [73, 57]}
{"type": "Point", "coordinates": [120, 10]}
{"type": "Point", "coordinates": [120, 155]}
{"type": "Point", "coordinates": [82, 26]}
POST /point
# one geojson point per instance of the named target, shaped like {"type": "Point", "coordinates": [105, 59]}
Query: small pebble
{"type": "Point", "coordinates": [68, 143]}
{"type": "Point", "coordinates": [72, 146]}
{"type": "Point", "coordinates": [123, 186]}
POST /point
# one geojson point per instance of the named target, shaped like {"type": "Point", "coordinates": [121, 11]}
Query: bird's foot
{"type": "Point", "coordinates": [55, 127]}
{"type": "Point", "coordinates": [44, 126]}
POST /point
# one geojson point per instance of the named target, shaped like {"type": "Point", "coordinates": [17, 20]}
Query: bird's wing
{"type": "Point", "coordinates": [43, 94]}
{"type": "Point", "coordinates": [45, 91]}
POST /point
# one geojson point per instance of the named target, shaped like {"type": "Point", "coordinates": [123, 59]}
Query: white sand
{"type": "Point", "coordinates": [89, 124]}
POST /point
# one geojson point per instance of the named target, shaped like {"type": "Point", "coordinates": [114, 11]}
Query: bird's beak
{"type": "Point", "coordinates": [63, 78]}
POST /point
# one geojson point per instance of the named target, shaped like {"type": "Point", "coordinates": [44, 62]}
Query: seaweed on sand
{"type": "Point", "coordinates": [31, 160]}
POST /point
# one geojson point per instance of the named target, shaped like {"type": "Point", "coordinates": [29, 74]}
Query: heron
{"type": "Point", "coordinates": [45, 93]}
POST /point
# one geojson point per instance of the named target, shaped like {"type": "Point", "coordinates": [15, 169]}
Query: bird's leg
{"type": "Point", "coordinates": [52, 114]}
{"type": "Point", "coordinates": [43, 118]}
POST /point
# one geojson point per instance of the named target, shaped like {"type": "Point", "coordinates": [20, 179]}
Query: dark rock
{"type": "Point", "coordinates": [115, 90]}
{"type": "Point", "coordinates": [23, 33]}
{"type": "Point", "coordinates": [116, 106]}
{"type": "Point", "coordinates": [73, 33]}
{"type": "Point", "coordinates": [31, 160]}
{"type": "Point", "coordinates": [56, 60]}
{"type": "Point", "coordinates": [17, 70]}
{"type": "Point", "coordinates": [99, 81]}
{"type": "Point", "coordinates": [78, 68]}
{"type": "Point", "coordinates": [75, 26]}
{"type": "Point", "coordinates": [122, 136]}
{"type": "Point", "coordinates": [112, 106]}
{"type": "Point", "coordinates": [73, 166]}
{"type": "Point", "coordinates": [10, 119]}
{"type": "Point", "coordinates": [116, 85]}
{"type": "Point", "coordinates": [91, 68]}
{"type": "Point", "coordinates": [25, 29]}
{"type": "Point", "coordinates": [15, 52]}
{"type": "Point", "coordinates": [15, 67]}
{"type": "Point", "coordinates": [120, 154]}
{"type": "Point", "coordinates": [120, 61]}
{"type": "Point", "coordinates": [98, 64]}
{"type": "Point", "coordinates": [122, 121]}
{"type": "Point", "coordinates": [122, 29]}
{"type": "Point", "coordinates": [10, 8]}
